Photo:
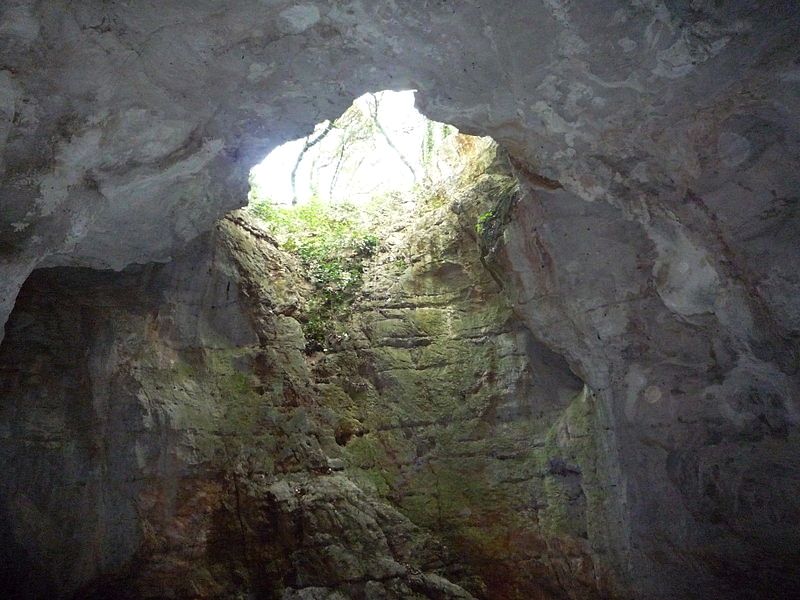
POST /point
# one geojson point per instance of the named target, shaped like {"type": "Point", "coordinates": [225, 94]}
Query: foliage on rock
{"type": "Point", "coordinates": [332, 246]}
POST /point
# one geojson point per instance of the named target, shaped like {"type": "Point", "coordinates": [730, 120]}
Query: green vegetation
{"type": "Point", "coordinates": [503, 191]}
{"type": "Point", "coordinates": [483, 221]}
{"type": "Point", "coordinates": [400, 265]}
{"type": "Point", "coordinates": [332, 246]}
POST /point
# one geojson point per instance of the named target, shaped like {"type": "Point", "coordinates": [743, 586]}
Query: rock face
{"type": "Point", "coordinates": [193, 448]}
{"type": "Point", "coordinates": [452, 411]}
{"type": "Point", "coordinates": [162, 438]}
{"type": "Point", "coordinates": [698, 384]}
{"type": "Point", "coordinates": [653, 247]}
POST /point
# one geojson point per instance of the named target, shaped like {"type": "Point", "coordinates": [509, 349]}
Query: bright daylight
{"type": "Point", "coordinates": [382, 144]}
{"type": "Point", "coordinates": [346, 202]}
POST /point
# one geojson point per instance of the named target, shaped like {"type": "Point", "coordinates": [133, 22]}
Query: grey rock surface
{"type": "Point", "coordinates": [161, 439]}
{"type": "Point", "coordinates": [656, 248]}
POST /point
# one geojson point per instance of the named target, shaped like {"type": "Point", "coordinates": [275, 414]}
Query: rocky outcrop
{"type": "Point", "coordinates": [455, 413]}
{"type": "Point", "coordinates": [699, 403]}
{"type": "Point", "coordinates": [161, 437]}
{"type": "Point", "coordinates": [655, 249]}
{"type": "Point", "coordinates": [196, 447]}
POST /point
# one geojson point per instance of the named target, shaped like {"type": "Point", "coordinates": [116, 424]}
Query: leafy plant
{"type": "Point", "coordinates": [483, 221]}
{"type": "Point", "coordinates": [332, 246]}
{"type": "Point", "coordinates": [400, 265]}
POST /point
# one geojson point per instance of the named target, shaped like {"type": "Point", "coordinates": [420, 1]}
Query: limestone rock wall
{"type": "Point", "coordinates": [662, 268]}
{"type": "Point", "coordinates": [194, 447]}
{"type": "Point", "coordinates": [699, 401]}
{"type": "Point", "coordinates": [161, 437]}
{"type": "Point", "coordinates": [452, 410]}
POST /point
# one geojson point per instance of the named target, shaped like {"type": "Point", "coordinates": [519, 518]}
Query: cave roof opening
{"type": "Point", "coordinates": [380, 146]}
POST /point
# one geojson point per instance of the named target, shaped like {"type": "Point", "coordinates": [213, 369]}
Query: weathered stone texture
{"type": "Point", "coordinates": [655, 249]}
{"type": "Point", "coordinates": [438, 450]}
{"type": "Point", "coordinates": [161, 438]}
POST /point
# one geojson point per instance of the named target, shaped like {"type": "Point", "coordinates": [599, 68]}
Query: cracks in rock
{"type": "Point", "coordinates": [251, 227]}
{"type": "Point", "coordinates": [788, 358]}
{"type": "Point", "coordinates": [535, 180]}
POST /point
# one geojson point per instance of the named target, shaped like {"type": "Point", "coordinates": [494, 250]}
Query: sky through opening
{"type": "Point", "coordinates": [380, 145]}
